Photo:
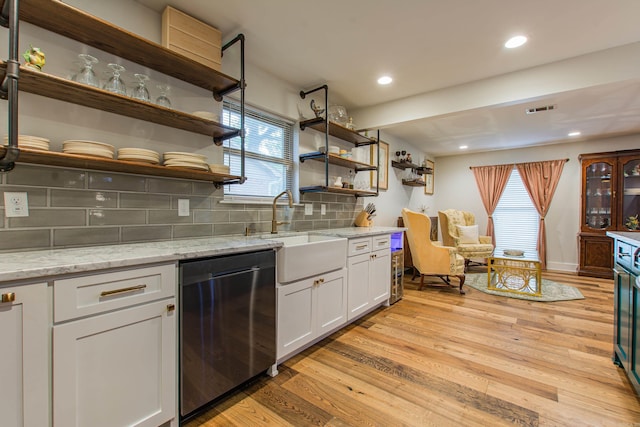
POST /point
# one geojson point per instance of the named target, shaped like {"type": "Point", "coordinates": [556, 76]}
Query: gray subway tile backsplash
{"type": "Point", "coordinates": [86, 208]}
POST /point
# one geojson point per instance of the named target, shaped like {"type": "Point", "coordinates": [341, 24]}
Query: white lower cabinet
{"type": "Point", "coordinates": [24, 356]}
{"type": "Point", "coordinates": [114, 349]}
{"type": "Point", "coordinates": [310, 308]}
{"type": "Point", "coordinates": [369, 266]}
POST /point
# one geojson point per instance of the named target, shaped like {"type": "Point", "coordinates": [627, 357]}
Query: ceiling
{"type": "Point", "coordinates": [454, 82]}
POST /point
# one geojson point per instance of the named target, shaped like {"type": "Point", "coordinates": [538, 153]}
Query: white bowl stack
{"type": "Point", "coordinates": [139, 155]}
{"type": "Point", "coordinates": [89, 148]}
{"type": "Point", "coordinates": [176, 159]}
{"type": "Point", "coordinates": [30, 142]}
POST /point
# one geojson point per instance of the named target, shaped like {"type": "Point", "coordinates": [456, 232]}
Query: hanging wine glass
{"type": "Point", "coordinates": [140, 91]}
{"type": "Point", "coordinates": [115, 83]}
{"type": "Point", "coordinates": [163, 99]}
{"type": "Point", "coordinates": [86, 75]}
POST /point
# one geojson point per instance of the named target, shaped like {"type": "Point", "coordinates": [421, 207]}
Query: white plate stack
{"type": "Point", "coordinates": [221, 169]}
{"type": "Point", "coordinates": [89, 148]}
{"type": "Point", "coordinates": [176, 159]}
{"type": "Point", "coordinates": [30, 142]}
{"type": "Point", "coordinates": [140, 155]}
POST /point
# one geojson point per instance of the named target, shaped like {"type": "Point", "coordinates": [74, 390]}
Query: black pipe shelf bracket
{"type": "Point", "coordinates": [9, 87]}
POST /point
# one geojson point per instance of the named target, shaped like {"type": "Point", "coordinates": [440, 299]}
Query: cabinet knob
{"type": "Point", "coordinates": [8, 297]}
{"type": "Point", "coordinates": [171, 307]}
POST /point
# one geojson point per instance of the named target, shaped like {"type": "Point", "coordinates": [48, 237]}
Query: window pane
{"type": "Point", "coordinates": [515, 218]}
{"type": "Point", "coordinates": [264, 178]}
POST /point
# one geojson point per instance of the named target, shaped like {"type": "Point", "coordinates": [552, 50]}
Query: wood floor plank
{"type": "Point", "coordinates": [438, 358]}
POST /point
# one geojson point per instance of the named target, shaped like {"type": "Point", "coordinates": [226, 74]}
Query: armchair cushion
{"type": "Point", "coordinates": [468, 234]}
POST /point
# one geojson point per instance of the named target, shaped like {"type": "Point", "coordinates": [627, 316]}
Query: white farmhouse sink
{"type": "Point", "coordinates": [307, 255]}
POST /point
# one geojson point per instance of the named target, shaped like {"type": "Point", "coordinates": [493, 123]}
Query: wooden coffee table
{"type": "Point", "coordinates": [521, 275]}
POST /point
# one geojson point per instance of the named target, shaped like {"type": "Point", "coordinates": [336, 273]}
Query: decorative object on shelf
{"type": "Point", "coordinates": [338, 182]}
{"type": "Point", "coordinates": [632, 223]}
{"type": "Point", "coordinates": [115, 83]}
{"type": "Point", "coordinates": [163, 99]}
{"type": "Point", "coordinates": [350, 124]}
{"type": "Point", "coordinates": [383, 171]}
{"type": "Point", "coordinates": [140, 91]}
{"type": "Point", "coordinates": [338, 114]}
{"type": "Point", "coordinates": [429, 178]}
{"type": "Point", "coordinates": [317, 110]}
{"type": "Point", "coordinates": [34, 58]}
{"type": "Point", "coordinates": [86, 75]}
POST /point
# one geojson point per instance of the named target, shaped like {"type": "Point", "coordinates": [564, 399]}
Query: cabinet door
{"type": "Point", "coordinates": [116, 369]}
{"type": "Point", "coordinates": [358, 284]}
{"type": "Point", "coordinates": [295, 316]}
{"type": "Point", "coordinates": [634, 344]}
{"type": "Point", "coordinates": [596, 255]}
{"type": "Point", "coordinates": [630, 193]}
{"type": "Point", "coordinates": [330, 305]}
{"type": "Point", "coordinates": [598, 193]}
{"type": "Point", "coordinates": [24, 352]}
{"type": "Point", "coordinates": [622, 315]}
{"type": "Point", "coordinates": [380, 274]}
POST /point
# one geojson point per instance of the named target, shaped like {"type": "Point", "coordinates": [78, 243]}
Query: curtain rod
{"type": "Point", "coordinates": [471, 167]}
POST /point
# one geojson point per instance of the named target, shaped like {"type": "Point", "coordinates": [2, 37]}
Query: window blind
{"type": "Point", "coordinates": [268, 152]}
{"type": "Point", "coordinates": [515, 218]}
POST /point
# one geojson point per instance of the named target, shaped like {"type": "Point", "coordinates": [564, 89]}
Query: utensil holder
{"type": "Point", "coordinates": [362, 220]}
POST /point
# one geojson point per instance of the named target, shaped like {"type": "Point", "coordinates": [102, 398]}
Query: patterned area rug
{"type": "Point", "coordinates": [551, 291]}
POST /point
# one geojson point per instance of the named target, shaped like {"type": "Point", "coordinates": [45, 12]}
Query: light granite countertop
{"type": "Point", "coordinates": [631, 237]}
{"type": "Point", "coordinates": [19, 266]}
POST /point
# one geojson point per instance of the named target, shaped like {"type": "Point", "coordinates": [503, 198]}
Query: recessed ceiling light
{"type": "Point", "coordinates": [384, 80]}
{"type": "Point", "coordinates": [576, 133]}
{"type": "Point", "coordinates": [516, 41]}
{"type": "Point", "coordinates": [463, 147]}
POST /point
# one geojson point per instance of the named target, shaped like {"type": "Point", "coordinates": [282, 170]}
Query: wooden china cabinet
{"type": "Point", "coordinates": [610, 201]}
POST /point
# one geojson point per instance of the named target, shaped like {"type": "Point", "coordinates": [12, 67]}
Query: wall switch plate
{"type": "Point", "coordinates": [183, 207]}
{"type": "Point", "coordinates": [308, 208]}
{"type": "Point", "coordinates": [15, 205]}
{"type": "Point", "coordinates": [323, 209]}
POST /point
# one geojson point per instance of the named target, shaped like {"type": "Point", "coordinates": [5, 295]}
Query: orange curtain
{"type": "Point", "coordinates": [491, 181]}
{"type": "Point", "coordinates": [541, 179]}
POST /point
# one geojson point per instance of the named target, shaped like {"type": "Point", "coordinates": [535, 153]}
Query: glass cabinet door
{"type": "Point", "coordinates": [630, 194]}
{"type": "Point", "coordinates": [598, 195]}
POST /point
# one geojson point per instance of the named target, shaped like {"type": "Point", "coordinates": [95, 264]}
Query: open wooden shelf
{"type": "Point", "coordinates": [413, 183]}
{"type": "Point", "coordinates": [422, 170]}
{"type": "Point", "coordinates": [338, 190]}
{"type": "Point", "coordinates": [44, 84]}
{"type": "Point", "coordinates": [338, 131]}
{"type": "Point", "coordinates": [76, 24]}
{"type": "Point", "coordinates": [335, 159]}
{"type": "Point", "coordinates": [53, 158]}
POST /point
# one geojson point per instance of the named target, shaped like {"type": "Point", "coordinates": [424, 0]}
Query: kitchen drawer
{"type": "Point", "coordinates": [381, 242]}
{"type": "Point", "coordinates": [359, 246]}
{"type": "Point", "coordinates": [97, 293]}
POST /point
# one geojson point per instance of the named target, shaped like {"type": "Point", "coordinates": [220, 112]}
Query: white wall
{"type": "Point", "coordinates": [455, 187]}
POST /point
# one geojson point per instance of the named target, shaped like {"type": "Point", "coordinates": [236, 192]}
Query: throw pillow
{"type": "Point", "coordinates": [468, 234]}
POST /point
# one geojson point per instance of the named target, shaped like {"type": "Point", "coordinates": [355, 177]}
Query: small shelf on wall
{"type": "Point", "coordinates": [335, 159]}
{"type": "Point", "coordinates": [421, 170]}
{"type": "Point", "coordinates": [338, 131]}
{"type": "Point", "coordinates": [53, 158]}
{"type": "Point", "coordinates": [338, 190]}
{"type": "Point", "coordinates": [413, 182]}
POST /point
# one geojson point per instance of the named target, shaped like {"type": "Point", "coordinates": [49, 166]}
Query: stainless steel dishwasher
{"type": "Point", "coordinates": [227, 325]}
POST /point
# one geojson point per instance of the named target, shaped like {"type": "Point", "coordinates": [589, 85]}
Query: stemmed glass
{"type": "Point", "coordinates": [115, 83]}
{"type": "Point", "coordinates": [140, 91]}
{"type": "Point", "coordinates": [87, 75]}
{"type": "Point", "coordinates": [162, 99]}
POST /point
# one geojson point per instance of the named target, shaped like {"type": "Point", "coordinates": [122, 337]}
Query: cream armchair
{"type": "Point", "coordinates": [459, 229]}
{"type": "Point", "coordinates": [430, 259]}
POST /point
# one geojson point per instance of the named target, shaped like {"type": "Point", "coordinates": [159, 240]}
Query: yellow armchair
{"type": "Point", "coordinates": [459, 229]}
{"type": "Point", "coordinates": [428, 258]}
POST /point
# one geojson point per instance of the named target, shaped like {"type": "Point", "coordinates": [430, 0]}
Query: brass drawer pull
{"type": "Point", "coordinates": [9, 297]}
{"type": "Point", "coordinates": [122, 291]}
{"type": "Point", "coordinates": [361, 246]}
{"type": "Point", "coordinates": [171, 307]}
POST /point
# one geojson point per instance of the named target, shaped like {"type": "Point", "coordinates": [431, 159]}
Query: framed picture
{"type": "Point", "coordinates": [383, 169]}
{"type": "Point", "coordinates": [429, 178]}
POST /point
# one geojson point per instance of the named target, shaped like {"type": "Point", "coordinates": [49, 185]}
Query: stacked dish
{"type": "Point", "coordinates": [221, 169]}
{"type": "Point", "coordinates": [139, 155]}
{"type": "Point", "coordinates": [30, 142]}
{"type": "Point", "coordinates": [176, 159]}
{"type": "Point", "coordinates": [88, 148]}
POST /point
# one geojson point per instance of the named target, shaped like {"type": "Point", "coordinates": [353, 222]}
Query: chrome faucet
{"type": "Point", "coordinates": [274, 222]}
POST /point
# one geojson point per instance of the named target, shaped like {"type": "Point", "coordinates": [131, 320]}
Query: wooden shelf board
{"type": "Point", "coordinates": [338, 131]}
{"type": "Point", "coordinates": [76, 24]}
{"type": "Point", "coordinates": [413, 183]}
{"type": "Point", "coordinates": [335, 159]}
{"type": "Point", "coordinates": [55, 87]}
{"type": "Point", "coordinates": [53, 158]}
{"type": "Point", "coordinates": [337, 190]}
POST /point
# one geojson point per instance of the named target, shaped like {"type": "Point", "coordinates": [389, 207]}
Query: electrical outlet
{"type": "Point", "coordinates": [15, 204]}
{"type": "Point", "coordinates": [183, 207]}
{"type": "Point", "coordinates": [308, 208]}
{"type": "Point", "coordinates": [323, 209]}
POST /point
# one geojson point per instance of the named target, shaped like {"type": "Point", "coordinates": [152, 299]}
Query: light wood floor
{"type": "Point", "coordinates": [438, 358]}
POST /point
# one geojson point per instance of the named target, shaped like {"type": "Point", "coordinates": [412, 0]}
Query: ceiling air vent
{"type": "Point", "coordinates": [540, 109]}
